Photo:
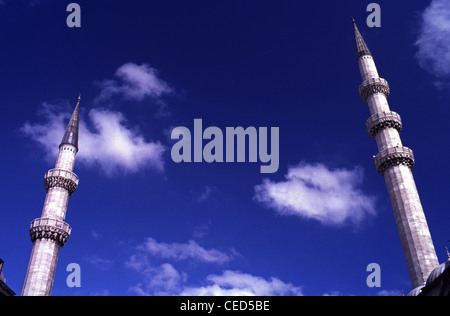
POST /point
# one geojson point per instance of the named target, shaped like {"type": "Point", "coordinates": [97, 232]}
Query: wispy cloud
{"type": "Point", "coordinates": [105, 140]}
{"type": "Point", "coordinates": [165, 279]}
{"type": "Point", "coordinates": [183, 251]}
{"type": "Point", "coordinates": [161, 280]}
{"type": "Point", "coordinates": [98, 262]}
{"type": "Point", "coordinates": [111, 144]}
{"type": "Point", "coordinates": [390, 293]}
{"type": "Point", "coordinates": [50, 131]}
{"type": "Point", "coordinates": [134, 82]}
{"type": "Point", "coordinates": [206, 193]}
{"type": "Point", "coordinates": [313, 191]}
{"type": "Point", "coordinates": [433, 41]}
{"type": "Point", "coordinates": [236, 283]}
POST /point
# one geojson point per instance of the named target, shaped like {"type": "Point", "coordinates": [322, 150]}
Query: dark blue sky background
{"type": "Point", "coordinates": [286, 64]}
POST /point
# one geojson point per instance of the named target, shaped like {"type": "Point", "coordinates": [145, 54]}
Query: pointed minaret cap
{"type": "Point", "coordinates": [71, 134]}
{"type": "Point", "coordinates": [361, 47]}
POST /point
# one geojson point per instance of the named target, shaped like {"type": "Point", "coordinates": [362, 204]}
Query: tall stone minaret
{"type": "Point", "coordinates": [394, 162]}
{"type": "Point", "coordinates": [50, 232]}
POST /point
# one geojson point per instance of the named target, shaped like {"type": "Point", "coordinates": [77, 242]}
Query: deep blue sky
{"type": "Point", "coordinates": [286, 64]}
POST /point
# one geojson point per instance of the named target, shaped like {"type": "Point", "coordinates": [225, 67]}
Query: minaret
{"type": "Point", "coordinates": [394, 162]}
{"type": "Point", "coordinates": [50, 232]}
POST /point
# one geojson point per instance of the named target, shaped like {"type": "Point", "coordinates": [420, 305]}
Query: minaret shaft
{"type": "Point", "coordinates": [49, 233]}
{"type": "Point", "coordinates": [394, 162]}
{"type": "Point", "coordinates": [41, 269]}
{"type": "Point", "coordinates": [66, 158]}
{"type": "Point", "coordinates": [367, 67]}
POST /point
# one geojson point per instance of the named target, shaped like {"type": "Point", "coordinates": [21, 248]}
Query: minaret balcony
{"type": "Point", "coordinates": [393, 157]}
{"type": "Point", "coordinates": [50, 228]}
{"type": "Point", "coordinates": [382, 120]}
{"type": "Point", "coordinates": [61, 178]}
{"type": "Point", "coordinates": [372, 86]}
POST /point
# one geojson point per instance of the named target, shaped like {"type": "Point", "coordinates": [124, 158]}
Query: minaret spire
{"type": "Point", "coordinates": [394, 162]}
{"type": "Point", "coordinates": [71, 134]}
{"type": "Point", "coordinates": [50, 232]}
{"type": "Point", "coordinates": [361, 46]}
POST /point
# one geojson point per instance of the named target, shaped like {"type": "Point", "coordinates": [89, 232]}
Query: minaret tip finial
{"type": "Point", "coordinates": [71, 134]}
{"type": "Point", "coordinates": [361, 47]}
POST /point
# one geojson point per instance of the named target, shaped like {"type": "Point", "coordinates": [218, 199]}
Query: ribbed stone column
{"type": "Point", "coordinates": [394, 162]}
{"type": "Point", "coordinates": [49, 232]}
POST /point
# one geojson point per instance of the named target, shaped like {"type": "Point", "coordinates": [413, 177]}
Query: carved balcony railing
{"type": "Point", "coordinates": [50, 228]}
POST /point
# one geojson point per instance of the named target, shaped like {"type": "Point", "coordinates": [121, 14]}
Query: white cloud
{"type": "Point", "coordinates": [236, 283]}
{"type": "Point", "coordinates": [165, 279]}
{"type": "Point", "coordinates": [183, 251]}
{"type": "Point", "coordinates": [162, 280]}
{"type": "Point", "coordinates": [113, 145]}
{"type": "Point", "coordinates": [134, 82]}
{"type": "Point", "coordinates": [390, 293]}
{"type": "Point", "coordinates": [98, 262]}
{"type": "Point", "coordinates": [433, 41]}
{"type": "Point", "coordinates": [106, 139]}
{"type": "Point", "coordinates": [313, 191]}
{"type": "Point", "coordinates": [166, 276]}
{"type": "Point", "coordinates": [49, 133]}
{"type": "Point", "coordinates": [206, 193]}
{"type": "Point", "coordinates": [110, 144]}
{"type": "Point", "coordinates": [101, 293]}
{"type": "Point", "coordinates": [333, 293]}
